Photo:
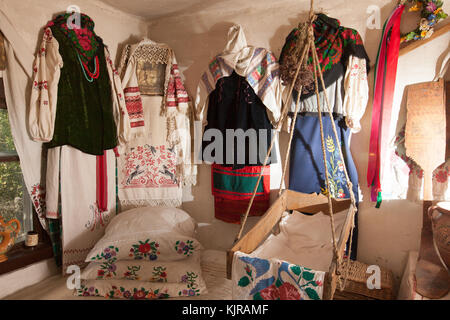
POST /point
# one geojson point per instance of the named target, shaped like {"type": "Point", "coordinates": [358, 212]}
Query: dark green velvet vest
{"type": "Point", "coordinates": [84, 114]}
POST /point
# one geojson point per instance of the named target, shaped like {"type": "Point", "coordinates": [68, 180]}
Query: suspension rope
{"type": "Point", "coordinates": [309, 45]}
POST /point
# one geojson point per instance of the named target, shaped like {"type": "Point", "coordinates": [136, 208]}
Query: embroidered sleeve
{"type": "Point", "coordinates": [120, 111]}
{"type": "Point", "coordinates": [133, 100]}
{"type": "Point", "coordinates": [44, 93]}
{"type": "Point", "coordinates": [356, 92]}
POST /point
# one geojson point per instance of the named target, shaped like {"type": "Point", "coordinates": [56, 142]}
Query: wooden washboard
{"type": "Point", "coordinates": [307, 203]}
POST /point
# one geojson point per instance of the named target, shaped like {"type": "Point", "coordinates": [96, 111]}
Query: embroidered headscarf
{"type": "Point", "coordinates": [83, 39]}
{"type": "Point", "coordinates": [334, 44]}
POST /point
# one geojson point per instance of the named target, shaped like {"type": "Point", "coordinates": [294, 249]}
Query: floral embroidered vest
{"type": "Point", "coordinates": [84, 114]}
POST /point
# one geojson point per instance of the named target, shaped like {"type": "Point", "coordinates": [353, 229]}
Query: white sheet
{"type": "Point", "coordinates": [303, 240]}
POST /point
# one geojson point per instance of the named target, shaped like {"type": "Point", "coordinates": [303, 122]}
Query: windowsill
{"type": "Point", "coordinates": [21, 256]}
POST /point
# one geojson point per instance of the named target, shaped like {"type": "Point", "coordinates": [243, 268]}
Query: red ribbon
{"type": "Point", "coordinates": [102, 183]}
{"type": "Point", "coordinates": [386, 72]}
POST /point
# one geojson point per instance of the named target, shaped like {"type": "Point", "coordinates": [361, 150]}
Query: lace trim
{"type": "Point", "coordinates": [190, 180]}
{"type": "Point", "coordinates": [131, 204]}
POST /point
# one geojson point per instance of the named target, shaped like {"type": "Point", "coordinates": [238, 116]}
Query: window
{"type": "Point", "coordinates": [15, 202]}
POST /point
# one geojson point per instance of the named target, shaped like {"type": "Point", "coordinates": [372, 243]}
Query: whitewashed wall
{"type": "Point", "coordinates": [29, 17]}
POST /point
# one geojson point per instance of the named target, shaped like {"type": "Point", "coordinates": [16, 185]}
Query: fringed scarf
{"type": "Point", "coordinates": [385, 75]}
{"type": "Point", "coordinates": [334, 44]}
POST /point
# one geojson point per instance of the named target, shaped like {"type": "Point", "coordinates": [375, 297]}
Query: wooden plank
{"type": "Point", "coordinates": [2, 53]}
{"type": "Point", "coordinates": [441, 29]}
{"type": "Point", "coordinates": [21, 256]}
{"type": "Point", "coordinates": [425, 133]}
{"type": "Point", "coordinates": [8, 156]}
{"type": "Point", "coordinates": [447, 103]}
{"type": "Point", "coordinates": [2, 95]}
{"type": "Point", "coordinates": [314, 203]}
{"type": "Point", "coordinates": [249, 242]}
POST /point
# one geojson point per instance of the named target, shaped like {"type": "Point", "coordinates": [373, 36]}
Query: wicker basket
{"type": "Point", "coordinates": [356, 286]}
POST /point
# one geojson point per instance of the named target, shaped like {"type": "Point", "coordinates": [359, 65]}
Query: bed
{"type": "Point", "coordinates": [213, 264]}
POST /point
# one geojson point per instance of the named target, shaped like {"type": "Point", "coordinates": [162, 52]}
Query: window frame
{"type": "Point", "coordinates": [21, 256]}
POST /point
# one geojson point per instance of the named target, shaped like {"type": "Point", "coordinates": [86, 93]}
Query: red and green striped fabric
{"type": "Point", "coordinates": [232, 190]}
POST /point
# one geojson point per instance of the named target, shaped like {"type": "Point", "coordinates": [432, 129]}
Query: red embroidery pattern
{"type": "Point", "coordinates": [133, 103]}
{"type": "Point", "coordinates": [48, 36]}
{"type": "Point", "coordinates": [136, 124]}
{"type": "Point", "coordinates": [131, 90]}
{"type": "Point", "coordinates": [134, 107]}
{"type": "Point", "coordinates": [99, 219]}
{"type": "Point", "coordinates": [176, 93]}
{"type": "Point", "coordinates": [38, 199]}
{"type": "Point", "coordinates": [150, 167]}
{"type": "Point", "coordinates": [40, 85]}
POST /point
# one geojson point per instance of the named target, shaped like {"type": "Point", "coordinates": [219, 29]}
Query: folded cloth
{"type": "Point", "coordinates": [141, 270]}
{"type": "Point", "coordinates": [141, 290]}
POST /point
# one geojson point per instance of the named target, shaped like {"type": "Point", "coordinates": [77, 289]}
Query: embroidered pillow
{"type": "Point", "coordinates": [141, 270]}
{"type": "Point", "coordinates": [139, 290]}
{"type": "Point", "coordinates": [149, 246]}
{"type": "Point", "coordinates": [148, 219]}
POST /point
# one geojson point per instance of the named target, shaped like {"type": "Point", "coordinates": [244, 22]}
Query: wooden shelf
{"type": "Point", "coordinates": [441, 29]}
{"type": "Point", "coordinates": [21, 256]}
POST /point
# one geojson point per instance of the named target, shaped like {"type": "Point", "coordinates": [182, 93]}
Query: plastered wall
{"type": "Point", "coordinates": [385, 234]}
{"type": "Point", "coordinates": [29, 17]}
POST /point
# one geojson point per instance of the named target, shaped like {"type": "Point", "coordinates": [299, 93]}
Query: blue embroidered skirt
{"type": "Point", "coordinates": [307, 170]}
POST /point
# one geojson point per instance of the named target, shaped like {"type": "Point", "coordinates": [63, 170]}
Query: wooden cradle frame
{"type": "Point", "coordinates": [307, 203]}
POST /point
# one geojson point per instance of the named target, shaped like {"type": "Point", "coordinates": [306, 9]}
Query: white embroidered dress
{"type": "Point", "coordinates": [71, 174]}
{"type": "Point", "coordinates": [156, 165]}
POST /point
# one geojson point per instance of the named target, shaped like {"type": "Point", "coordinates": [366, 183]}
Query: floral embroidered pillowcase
{"type": "Point", "coordinates": [171, 272]}
{"type": "Point", "coordinates": [151, 219]}
{"type": "Point", "coordinates": [144, 246]}
{"type": "Point", "coordinates": [140, 290]}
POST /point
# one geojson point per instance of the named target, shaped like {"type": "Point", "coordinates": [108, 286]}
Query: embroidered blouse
{"type": "Point", "coordinates": [257, 65]}
{"type": "Point", "coordinates": [348, 96]}
{"type": "Point", "coordinates": [44, 97]}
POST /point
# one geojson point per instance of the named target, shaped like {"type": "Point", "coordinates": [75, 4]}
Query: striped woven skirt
{"type": "Point", "coordinates": [233, 188]}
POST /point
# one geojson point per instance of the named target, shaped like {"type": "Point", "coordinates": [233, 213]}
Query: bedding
{"type": "Point", "coordinates": [213, 264]}
{"type": "Point", "coordinates": [167, 272]}
{"type": "Point", "coordinates": [273, 279]}
{"type": "Point", "coordinates": [139, 290]}
{"type": "Point", "coordinates": [151, 246]}
{"type": "Point", "coordinates": [290, 265]}
{"type": "Point", "coordinates": [303, 240]}
{"type": "Point", "coordinates": [149, 219]}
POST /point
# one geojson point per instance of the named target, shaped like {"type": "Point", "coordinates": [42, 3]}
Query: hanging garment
{"type": "Point", "coordinates": [69, 104]}
{"type": "Point", "coordinates": [241, 89]}
{"type": "Point", "coordinates": [257, 65]}
{"type": "Point", "coordinates": [17, 79]}
{"type": "Point", "coordinates": [344, 63]}
{"type": "Point", "coordinates": [156, 164]}
{"type": "Point", "coordinates": [73, 181]}
{"type": "Point", "coordinates": [385, 76]}
{"type": "Point", "coordinates": [234, 105]}
{"type": "Point", "coordinates": [81, 115]}
{"type": "Point", "coordinates": [233, 188]}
